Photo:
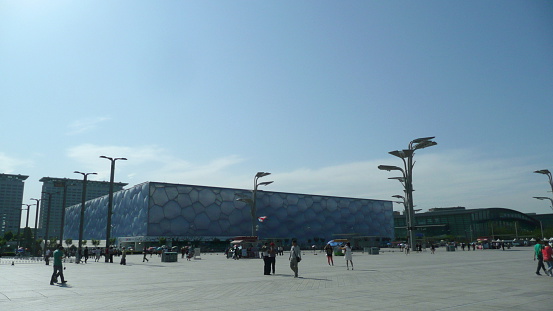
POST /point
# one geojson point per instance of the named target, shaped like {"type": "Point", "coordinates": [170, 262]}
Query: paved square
{"type": "Point", "coordinates": [460, 280]}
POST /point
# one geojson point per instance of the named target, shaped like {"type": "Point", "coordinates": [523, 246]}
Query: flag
{"type": "Point", "coordinates": [262, 218]}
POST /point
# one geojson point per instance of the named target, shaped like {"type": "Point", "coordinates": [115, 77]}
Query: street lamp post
{"type": "Point", "coordinates": [49, 208]}
{"type": "Point", "coordinates": [253, 200]}
{"type": "Point", "coordinates": [35, 235]}
{"type": "Point", "coordinates": [548, 174]}
{"type": "Point", "coordinates": [406, 155]}
{"type": "Point", "coordinates": [28, 208]}
{"type": "Point", "coordinates": [255, 185]}
{"type": "Point", "coordinates": [406, 212]}
{"type": "Point", "coordinates": [81, 220]}
{"type": "Point", "coordinates": [110, 200]}
{"type": "Point", "coordinates": [26, 222]}
{"type": "Point", "coordinates": [64, 185]}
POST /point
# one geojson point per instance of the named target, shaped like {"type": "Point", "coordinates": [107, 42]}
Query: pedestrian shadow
{"type": "Point", "coordinates": [302, 277]}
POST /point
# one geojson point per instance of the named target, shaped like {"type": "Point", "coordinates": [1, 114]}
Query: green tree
{"type": "Point", "coordinates": [37, 246]}
{"type": "Point", "coordinates": [27, 238]}
{"type": "Point", "coordinates": [95, 242]}
{"type": "Point", "coordinates": [162, 241]}
{"type": "Point", "coordinates": [83, 242]}
{"type": "Point", "coordinates": [3, 243]}
{"type": "Point", "coordinates": [68, 242]}
{"type": "Point", "coordinates": [112, 241]}
{"type": "Point", "coordinates": [8, 236]}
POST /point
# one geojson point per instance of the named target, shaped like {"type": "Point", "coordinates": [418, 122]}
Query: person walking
{"type": "Point", "coordinates": [295, 257]}
{"type": "Point", "coordinates": [145, 251]}
{"type": "Point", "coordinates": [47, 257]}
{"type": "Point", "coordinates": [85, 254]}
{"type": "Point", "coordinates": [539, 256]}
{"type": "Point", "coordinates": [272, 256]}
{"type": "Point", "coordinates": [98, 253]}
{"type": "Point", "coordinates": [328, 249]}
{"type": "Point", "coordinates": [123, 257]}
{"type": "Point", "coordinates": [547, 254]}
{"type": "Point", "coordinates": [58, 266]}
{"type": "Point", "coordinates": [348, 255]}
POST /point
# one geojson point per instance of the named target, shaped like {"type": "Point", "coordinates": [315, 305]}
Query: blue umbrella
{"type": "Point", "coordinates": [333, 243]}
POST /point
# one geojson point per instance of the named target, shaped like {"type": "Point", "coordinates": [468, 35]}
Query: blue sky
{"type": "Point", "coordinates": [316, 92]}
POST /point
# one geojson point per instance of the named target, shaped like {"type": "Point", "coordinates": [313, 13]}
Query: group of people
{"type": "Point", "coordinates": [269, 253]}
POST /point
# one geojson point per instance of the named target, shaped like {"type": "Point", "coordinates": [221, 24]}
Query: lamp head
{"type": "Point", "coordinates": [265, 183]}
{"type": "Point", "coordinates": [406, 153]}
{"type": "Point", "coordinates": [546, 172]}
{"type": "Point", "coordinates": [262, 174]}
{"type": "Point", "coordinates": [389, 168]}
{"type": "Point", "coordinates": [400, 179]}
{"type": "Point", "coordinates": [419, 140]}
{"type": "Point", "coordinates": [425, 144]}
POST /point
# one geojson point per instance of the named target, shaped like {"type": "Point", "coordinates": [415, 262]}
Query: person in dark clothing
{"type": "Point", "coordinates": [266, 260]}
{"type": "Point", "coordinates": [85, 254]}
{"type": "Point", "coordinates": [272, 256]}
{"type": "Point", "coordinates": [145, 251]}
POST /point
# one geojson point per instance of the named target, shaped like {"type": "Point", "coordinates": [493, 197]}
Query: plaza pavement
{"type": "Point", "coordinates": [460, 280]}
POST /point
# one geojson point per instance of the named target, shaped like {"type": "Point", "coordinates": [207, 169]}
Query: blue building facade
{"type": "Point", "coordinates": [154, 209]}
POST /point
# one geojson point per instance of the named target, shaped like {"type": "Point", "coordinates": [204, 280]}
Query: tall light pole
{"type": "Point", "coordinates": [28, 208]}
{"type": "Point", "coordinates": [255, 185]}
{"type": "Point", "coordinates": [548, 174]}
{"type": "Point", "coordinates": [406, 155]}
{"type": "Point", "coordinates": [253, 200]}
{"type": "Point", "coordinates": [63, 184]}
{"type": "Point", "coordinates": [49, 208]}
{"type": "Point", "coordinates": [110, 202]}
{"type": "Point", "coordinates": [81, 220]}
{"type": "Point", "coordinates": [26, 222]}
{"type": "Point", "coordinates": [406, 211]}
{"type": "Point", "coordinates": [35, 235]}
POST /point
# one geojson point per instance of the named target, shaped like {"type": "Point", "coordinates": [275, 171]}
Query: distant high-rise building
{"type": "Point", "coordinates": [11, 199]}
{"type": "Point", "coordinates": [74, 188]}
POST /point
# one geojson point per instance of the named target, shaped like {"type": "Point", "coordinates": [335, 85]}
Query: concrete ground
{"type": "Point", "coordinates": [460, 280]}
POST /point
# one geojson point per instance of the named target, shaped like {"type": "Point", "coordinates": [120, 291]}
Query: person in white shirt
{"type": "Point", "coordinates": [348, 255]}
{"type": "Point", "coordinates": [295, 257]}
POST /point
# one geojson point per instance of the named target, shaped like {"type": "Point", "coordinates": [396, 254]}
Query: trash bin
{"type": "Point", "coordinates": [169, 256]}
{"type": "Point", "coordinates": [374, 250]}
{"type": "Point", "coordinates": [450, 248]}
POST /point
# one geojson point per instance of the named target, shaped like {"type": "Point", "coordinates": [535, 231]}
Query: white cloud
{"type": "Point", "coordinates": [153, 163]}
{"type": "Point", "coordinates": [85, 125]}
{"type": "Point", "coordinates": [9, 165]}
{"type": "Point", "coordinates": [441, 179]}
